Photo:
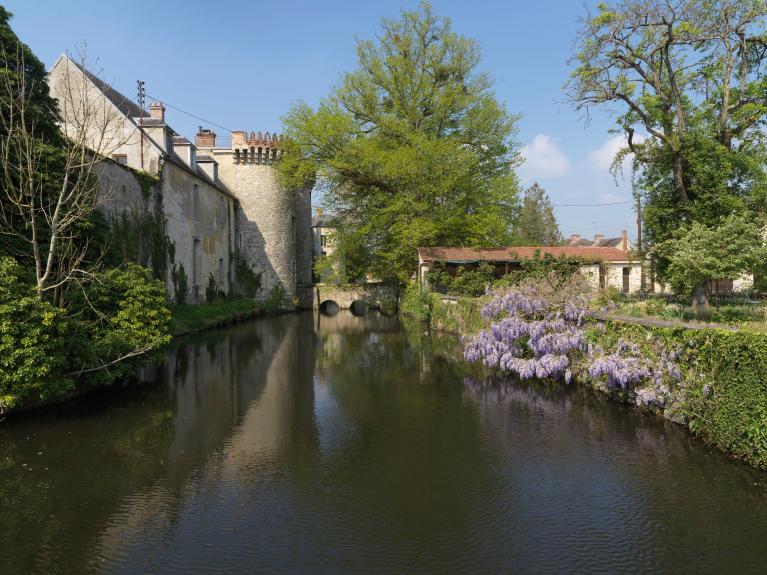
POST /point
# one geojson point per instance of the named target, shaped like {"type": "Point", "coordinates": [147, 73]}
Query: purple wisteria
{"type": "Point", "coordinates": [538, 333]}
{"type": "Point", "coordinates": [533, 338]}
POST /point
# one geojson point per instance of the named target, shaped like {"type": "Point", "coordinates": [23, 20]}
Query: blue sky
{"type": "Point", "coordinates": [241, 64]}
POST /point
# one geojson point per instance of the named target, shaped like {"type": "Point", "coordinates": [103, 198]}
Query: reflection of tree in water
{"type": "Point", "coordinates": [68, 473]}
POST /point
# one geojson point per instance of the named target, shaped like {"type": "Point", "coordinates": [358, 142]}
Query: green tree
{"type": "Point", "coordinates": [700, 253]}
{"type": "Point", "coordinates": [536, 224]}
{"type": "Point", "coordinates": [411, 149]}
{"type": "Point", "coordinates": [690, 75]}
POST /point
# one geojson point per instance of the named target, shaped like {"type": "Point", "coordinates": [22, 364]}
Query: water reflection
{"type": "Point", "coordinates": [310, 443]}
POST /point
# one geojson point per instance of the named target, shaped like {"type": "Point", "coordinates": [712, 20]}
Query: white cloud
{"type": "Point", "coordinates": [544, 159]}
{"type": "Point", "coordinates": [602, 158]}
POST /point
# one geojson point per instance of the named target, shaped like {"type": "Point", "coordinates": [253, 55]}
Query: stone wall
{"type": "Point", "coordinates": [199, 226]}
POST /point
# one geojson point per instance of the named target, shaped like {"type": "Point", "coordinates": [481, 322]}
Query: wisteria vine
{"type": "Point", "coordinates": [536, 333]}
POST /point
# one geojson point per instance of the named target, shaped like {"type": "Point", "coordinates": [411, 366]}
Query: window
{"type": "Point", "coordinates": [120, 158]}
{"type": "Point", "coordinates": [196, 200]}
{"type": "Point", "coordinates": [323, 240]}
{"type": "Point", "coordinates": [293, 228]}
{"type": "Point", "coordinates": [626, 277]}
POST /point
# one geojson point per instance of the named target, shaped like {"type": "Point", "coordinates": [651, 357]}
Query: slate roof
{"type": "Point", "coordinates": [123, 103]}
{"type": "Point", "coordinates": [515, 254]}
{"type": "Point", "coordinates": [603, 243]}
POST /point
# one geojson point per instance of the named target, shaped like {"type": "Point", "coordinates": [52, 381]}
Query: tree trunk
{"type": "Point", "coordinates": [681, 189]}
{"type": "Point", "coordinates": [700, 301]}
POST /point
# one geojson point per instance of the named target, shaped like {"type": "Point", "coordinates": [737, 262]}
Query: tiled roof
{"type": "Point", "coordinates": [516, 254]}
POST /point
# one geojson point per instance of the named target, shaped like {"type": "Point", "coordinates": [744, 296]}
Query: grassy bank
{"type": "Point", "coordinates": [719, 394]}
{"type": "Point", "coordinates": [192, 318]}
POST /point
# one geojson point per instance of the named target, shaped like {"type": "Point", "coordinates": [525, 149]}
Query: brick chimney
{"type": "Point", "coordinates": [598, 238]}
{"type": "Point", "coordinates": [624, 241]}
{"type": "Point", "coordinates": [157, 111]}
{"type": "Point", "coordinates": [205, 138]}
{"type": "Point", "coordinates": [574, 239]}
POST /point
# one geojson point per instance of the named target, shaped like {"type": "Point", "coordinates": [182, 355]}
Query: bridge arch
{"type": "Point", "coordinates": [359, 307]}
{"type": "Point", "coordinates": [329, 307]}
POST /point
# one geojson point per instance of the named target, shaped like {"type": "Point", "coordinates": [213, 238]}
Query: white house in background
{"type": "Point", "coordinates": [602, 266]}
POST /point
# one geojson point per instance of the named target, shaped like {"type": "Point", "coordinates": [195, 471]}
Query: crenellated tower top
{"type": "Point", "coordinates": [258, 149]}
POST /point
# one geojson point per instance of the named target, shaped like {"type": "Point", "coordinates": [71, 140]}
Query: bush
{"type": "Point", "coordinates": [211, 292]}
{"type": "Point", "coordinates": [180, 283]}
{"type": "Point", "coordinates": [34, 339]}
{"type": "Point", "coordinates": [128, 316]}
{"type": "Point", "coordinates": [722, 394]}
{"type": "Point", "coordinates": [416, 302]}
{"type": "Point", "coordinates": [471, 283]}
{"type": "Point", "coordinates": [248, 281]}
{"type": "Point", "coordinates": [276, 297]}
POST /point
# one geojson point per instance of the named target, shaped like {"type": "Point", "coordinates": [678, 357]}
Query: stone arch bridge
{"type": "Point", "coordinates": [344, 296]}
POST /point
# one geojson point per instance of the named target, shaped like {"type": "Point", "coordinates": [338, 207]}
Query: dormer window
{"type": "Point", "coordinates": [120, 158]}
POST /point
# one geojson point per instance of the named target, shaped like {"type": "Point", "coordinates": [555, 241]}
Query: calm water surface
{"type": "Point", "coordinates": [346, 445]}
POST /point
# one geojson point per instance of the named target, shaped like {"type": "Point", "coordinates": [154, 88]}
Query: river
{"type": "Point", "coordinates": [315, 444]}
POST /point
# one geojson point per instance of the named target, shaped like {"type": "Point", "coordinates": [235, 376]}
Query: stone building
{"type": "Point", "coordinates": [216, 206]}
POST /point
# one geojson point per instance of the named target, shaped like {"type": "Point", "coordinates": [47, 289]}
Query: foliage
{"type": "Point", "coordinates": [536, 224]}
{"type": "Point", "coordinates": [721, 394]}
{"type": "Point", "coordinates": [691, 76]}
{"type": "Point", "coordinates": [412, 149]}
{"type": "Point", "coordinates": [180, 283]}
{"type": "Point", "coordinates": [211, 291]}
{"type": "Point", "coordinates": [457, 316]}
{"type": "Point", "coordinates": [276, 297]}
{"type": "Point", "coordinates": [126, 317]}
{"type": "Point", "coordinates": [34, 341]}
{"type": "Point", "coordinates": [472, 283]}
{"type": "Point", "coordinates": [542, 267]}
{"type": "Point", "coordinates": [701, 253]}
{"type": "Point", "coordinates": [416, 302]}
{"type": "Point", "coordinates": [248, 281]}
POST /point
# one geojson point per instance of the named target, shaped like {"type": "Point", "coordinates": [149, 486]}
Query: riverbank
{"type": "Point", "coordinates": [189, 319]}
{"type": "Point", "coordinates": [716, 386]}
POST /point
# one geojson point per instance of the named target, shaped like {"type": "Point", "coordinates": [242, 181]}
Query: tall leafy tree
{"type": "Point", "coordinates": [690, 75]}
{"type": "Point", "coordinates": [536, 224]}
{"type": "Point", "coordinates": [411, 149]}
{"type": "Point", "coordinates": [23, 80]}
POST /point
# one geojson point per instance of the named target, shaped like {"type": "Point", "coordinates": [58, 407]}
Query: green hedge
{"type": "Point", "coordinates": [723, 391]}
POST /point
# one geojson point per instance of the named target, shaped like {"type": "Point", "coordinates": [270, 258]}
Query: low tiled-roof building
{"type": "Point", "coordinates": [602, 266]}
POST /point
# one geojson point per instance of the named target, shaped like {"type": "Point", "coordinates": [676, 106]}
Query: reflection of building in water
{"type": "Point", "coordinates": [237, 400]}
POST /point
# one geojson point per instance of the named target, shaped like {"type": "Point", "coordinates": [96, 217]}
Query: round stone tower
{"type": "Point", "coordinates": [273, 225]}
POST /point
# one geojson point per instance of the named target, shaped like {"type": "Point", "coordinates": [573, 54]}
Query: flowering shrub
{"type": "Point", "coordinates": [537, 332]}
